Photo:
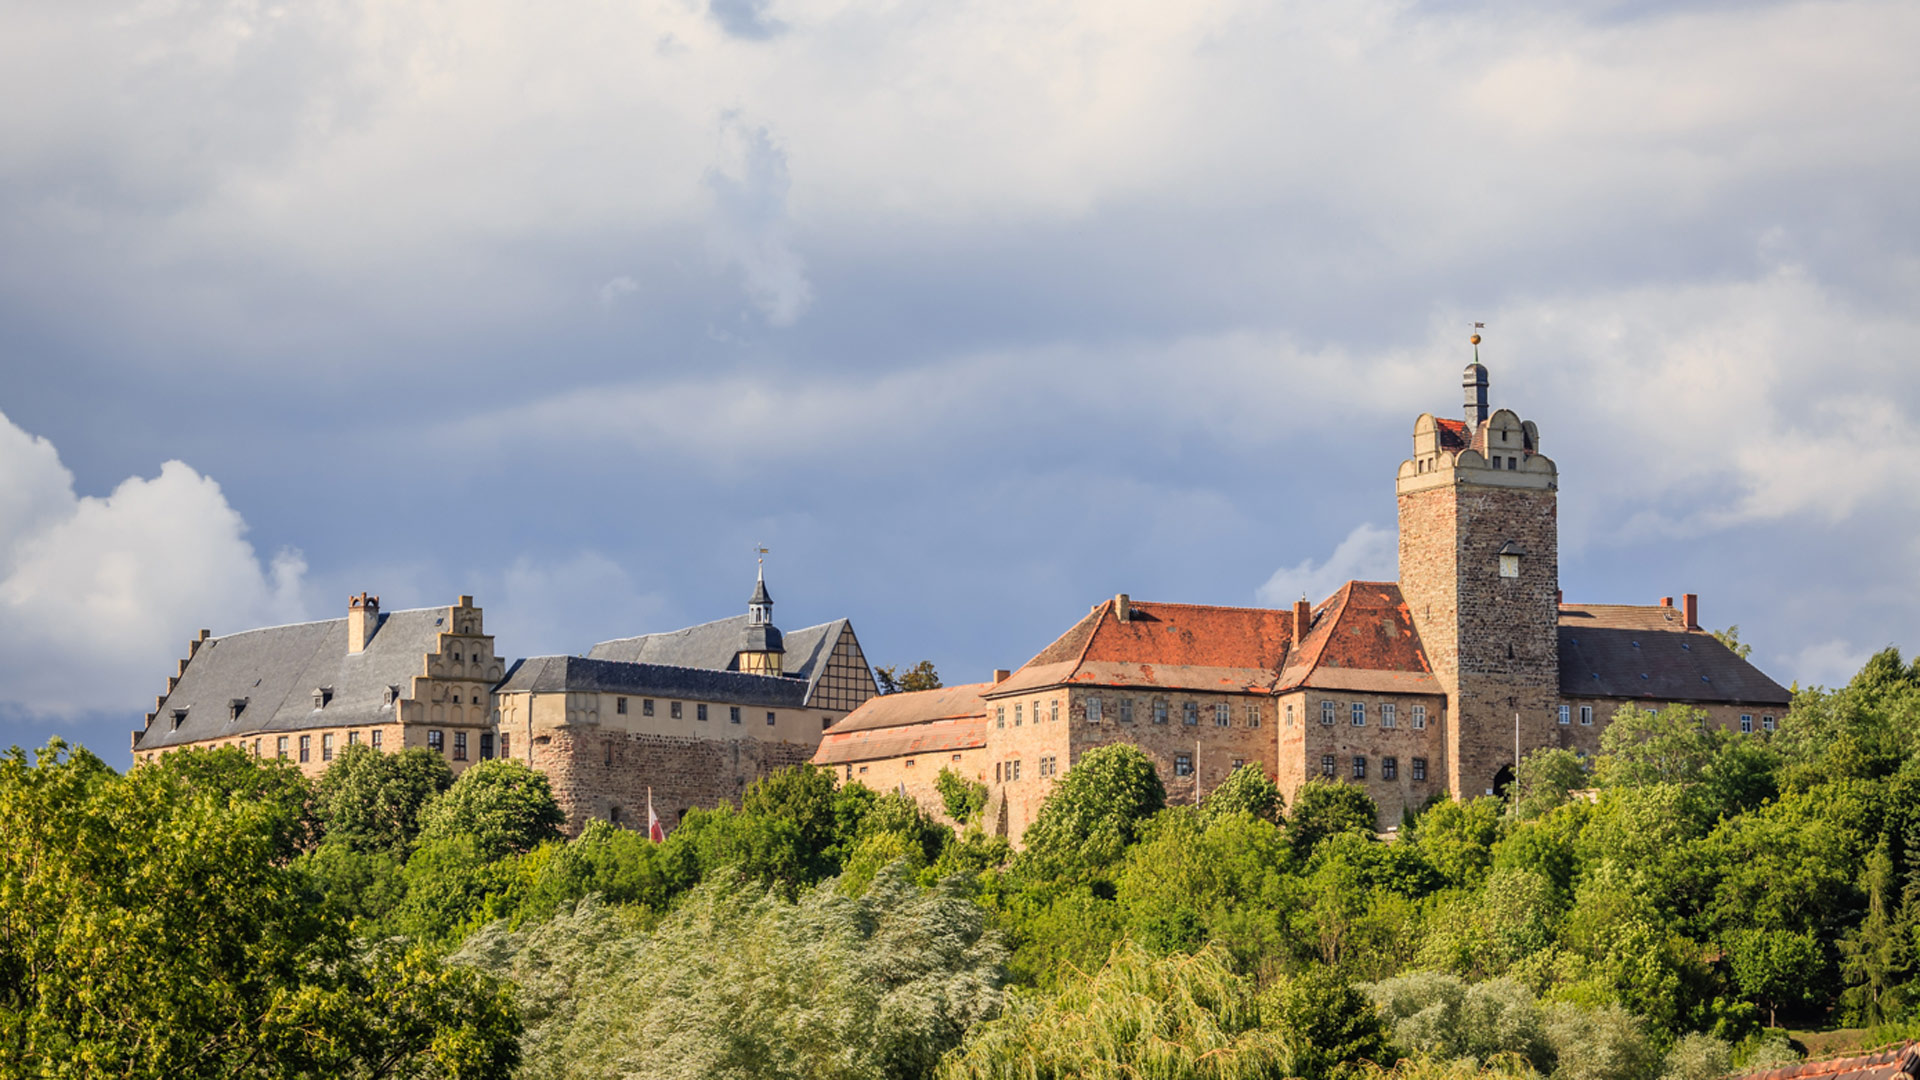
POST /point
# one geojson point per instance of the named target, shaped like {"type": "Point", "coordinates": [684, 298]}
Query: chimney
{"type": "Point", "coordinates": [1690, 606]}
{"type": "Point", "coordinates": [1559, 598]}
{"type": "Point", "coordinates": [1123, 608]}
{"type": "Point", "coordinates": [1302, 618]}
{"type": "Point", "coordinates": [1001, 675]}
{"type": "Point", "coordinates": [1474, 383]}
{"type": "Point", "coordinates": [363, 619]}
{"type": "Point", "coordinates": [1666, 601]}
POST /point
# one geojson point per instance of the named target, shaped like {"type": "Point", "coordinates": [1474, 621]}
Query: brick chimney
{"type": "Point", "coordinates": [1666, 601]}
{"type": "Point", "coordinates": [363, 620]}
{"type": "Point", "coordinates": [1690, 606]}
{"type": "Point", "coordinates": [1302, 618]}
{"type": "Point", "coordinates": [1123, 608]}
{"type": "Point", "coordinates": [1001, 675]}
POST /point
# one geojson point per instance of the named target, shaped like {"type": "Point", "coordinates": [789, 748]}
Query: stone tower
{"type": "Point", "coordinates": [1479, 569]}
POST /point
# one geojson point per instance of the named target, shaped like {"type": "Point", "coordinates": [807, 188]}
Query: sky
{"type": "Point", "coordinates": [975, 314]}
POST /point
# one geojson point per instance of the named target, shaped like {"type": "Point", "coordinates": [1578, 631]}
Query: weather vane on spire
{"type": "Point", "coordinates": [1477, 327]}
{"type": "Point", "coordinates": [761, 560]}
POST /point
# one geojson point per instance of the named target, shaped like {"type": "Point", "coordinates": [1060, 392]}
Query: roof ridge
{"type": "Point", "coordinates": [1209, 607]}
{"type": "Point", "coordinates": [320, 622]}
{"type": "Point", "coordinates": [570, 657]}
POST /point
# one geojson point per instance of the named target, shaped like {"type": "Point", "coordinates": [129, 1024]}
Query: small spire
{"type": "Point", "coordinates": [1477, 327]}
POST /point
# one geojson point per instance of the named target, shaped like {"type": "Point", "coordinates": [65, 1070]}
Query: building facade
{"type": "Point", "coordinates": [1436, 683]}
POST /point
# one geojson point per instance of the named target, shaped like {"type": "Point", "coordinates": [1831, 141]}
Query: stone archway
{"type": "Point", "coordinates": [1502, 780]}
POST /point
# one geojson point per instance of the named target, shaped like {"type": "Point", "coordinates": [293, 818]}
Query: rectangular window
{"type": "Point", "coordinates": [1159, 712]}
{"type": "Point", "coordinates": [1222, 715]}
{"type": "Point", "coordinates": [1053, 710]}
{"type": "Point", "coordinates": [1586, 715]}
{"type": "Point", "coordinates": [459, 746]}
{"type": "Point", "coordinates": [769, 717]}
{"type": "Point", "coordinates": [1387, 717]}
{"type": "Point", "coordinates": [700, 712]}
{"type": "Point", "coordinates": [1289, 715]}
{"type": "Point", "coordinates": [1746, 723]}
{"type": "Point", "coordinates": [1190, 712]}
{"type": "Point", "coordinates": [1766, 722]}
{"type": "Point", "coordinates": [353, 738]}
{"type": "Point", "coordinates": [1018, 711]}
{"type": "Point", "coordinates": [1359, 767]}
{"type": "Point", "coordinates": [996, 772]}
{"type": "Point", "coordinates": [1326, 765]}
{"type": "Point", "coordinates": [280, 746]}
{"type": "Point", "coordinates": [909, 763]}
{"type": "Point", "coordinates": [1327, 712]}
{"type": "Point", "coordinates": [486, 746]}
{"type": "Point", "coordinates": [1239, 761]}
{"type": "Point", "coordinates": [606, 753]}
{"type": "Point", "coordinates": [1566, 714]}
{"type": "Point", "coordinates": [1419, 718]}
{"type": "Point", "coordinates": [504, 751]}
{"type": "Point", "coordinates": [1183, 765]}
{"type": "Point", "coordinates": [1419, 768]}
{"type": "Point", "coordinates": [620, 705]}
{"type": "Point", "coordinates": [306, 749]}
{"type": "Point", "coordinates": [374, 738]}
{"type": "Point", "coordinates": [1093, 710]}
{"type": "Point", "coordinates": [1013, 769]}
{"type": "Point", "coordinates": [673, 710]}
{"type": "Point", "coordinates": [1253, 716]}
{"type": "Point", "coordinates": [436, 742]}
{"type": "Point", "coordinates": [999, 716]}
{"type": "Point", "coordinates": [1126, 710]}
{"type": "Point", "coordinates": [646, 706]}
{"type": "Point", "coordinates": [326, 747]}
{"type": "Point", "coordinates": [733, 714]}
{"type": "Point", "coordinates": [1359, 714]}
{"type": "Point", "coordinates": [1389, 768]}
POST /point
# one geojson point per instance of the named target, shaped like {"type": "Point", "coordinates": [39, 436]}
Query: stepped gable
{"type": "Point", "coordinates": [1894, 1063]}
{"type": "Point", "coordinates": [897, 725]}
{"type": "Point", "coordinates": [1170, 646]}
{"type": "Point", "coordinates": [1649, 652]}
{"type": "Point", "coordinates": [557, 674]}
{"type": "Point", "coordinates": [1362, 639]}
{"type": "Point", "coordinates": [271, 675]}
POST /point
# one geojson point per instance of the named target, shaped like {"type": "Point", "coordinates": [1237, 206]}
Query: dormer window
{"type": "Point", "coordinates": [179, 717]}
{"type": "Point", "coordinates": [321, 696]}
{"type": "Point", "coordinates": [392, 695]}
{"type": "Point", "coordinates": [235, 707]}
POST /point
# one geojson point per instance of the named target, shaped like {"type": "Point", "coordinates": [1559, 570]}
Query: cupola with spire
{"type": "Point", "coordinates": [761, 649]}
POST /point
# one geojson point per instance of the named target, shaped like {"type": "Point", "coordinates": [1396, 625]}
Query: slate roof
{"type": "Point", "coordinates": [1362, 639]}
{"type": "Point", "coordinates": [1895, 1063]}
{"type": "Point", "coordinates": [557, 674]}
{"type": "Point", "coordinates": [896, 725]}
{"type": "Point", "coordinates": [1649, 653]}
{"type": "Point", "coordinates": [715, 646]}
{"type": "Point", "coordinates": [1167, 646]}
{"type": "Point", "coordinates": [276, 670]}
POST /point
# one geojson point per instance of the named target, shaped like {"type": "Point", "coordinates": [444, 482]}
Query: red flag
{"type": "Point", "coordinates": [655, 832]}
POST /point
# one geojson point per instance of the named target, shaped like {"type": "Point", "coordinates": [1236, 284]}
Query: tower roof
{"type": "Point", "coordinates": [760, 595]}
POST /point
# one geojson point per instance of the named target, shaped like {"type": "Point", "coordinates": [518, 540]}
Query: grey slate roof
{"type": "Point", "coordinates": [555, 674]}
{"type": "Point", "coordinates": [715, 645]}
{"type": "Point", "coordinates": [1656, 665]}
{"type": "Point", "coordinates": [276, 670]}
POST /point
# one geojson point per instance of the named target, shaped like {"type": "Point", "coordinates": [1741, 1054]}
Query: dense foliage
{"type": "Point", "coordinates": [1649, 914]}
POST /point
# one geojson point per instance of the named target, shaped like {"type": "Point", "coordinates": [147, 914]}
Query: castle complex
{"type": "Point", "coordinates": [1438, 682]}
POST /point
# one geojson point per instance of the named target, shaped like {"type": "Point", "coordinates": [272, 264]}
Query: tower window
{"type": "Point", "coordinates": [1566, 714]}
{"type": "Point", "coordinates": [306, 748]}
{"type": "Point", "coordinates": [459, 746]}
{"type": "Point", "coordinates": [1289, 715]}
{"type": "Point", "coordinates": [326, 747]}
{"type": "Point", "coordinates": [373, 737]}
{"type": "Point", "coordinates": [1053, 710]}
{"type": "Point", "coordinates": [280, 746]}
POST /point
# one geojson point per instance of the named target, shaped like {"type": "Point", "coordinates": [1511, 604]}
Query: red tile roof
{"type": "Point", "coordinates": [1453, 434]}
{"type": "Point", "coordinates": [1896, 1063]}
{"type": "Point", "coordinates": [1363, 639]}
{"type": "Point", "coordinates": [895, 725]}
{"type": "Point", "coordinates": [1172, 646]}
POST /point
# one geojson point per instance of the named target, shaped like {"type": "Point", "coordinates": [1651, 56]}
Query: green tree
{"type": "Point", "coordinates": [371, 801]}
{"type": "Point", "coordinates": [1773, 967]}
{"type": "Point", "coordinates": [1441, 1016]}
{"type": "Point", "coordinates": [1192, 879]}
{"type": "Point", "coordinates": [1457, 838]}
{"type": "Point", "coordinates": [1545, 780]}
{"type": "Point", "coordinates": [1093, 813]}
{"type": "Point", "coordinates": [962, 798]}
{"type": "Point", "coordinates": [1323, 808]}
{"type": "Point", "coordinates": [1673, 746]}
{"type": "Point", "coordinates": [502, 806]}
{"type": "Point", "coordinates": [1730, 637]}
{"type": "Point", "coordinates": [920, 676]}
{"type": "Point", "coordinates": [1876, 957]}
{"type": "Point", "coordinates": [1332, 1030]}
{"type": "Point", "coordinates": [1246, 790]}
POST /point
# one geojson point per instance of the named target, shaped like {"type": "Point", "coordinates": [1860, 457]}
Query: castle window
{"type": "Point", "coordinates": [1386, 714]}
{"type": "Point", "coordinates": [769, 717]}
{"type": "Point", "coordinates": [1253, 716]}
{"type": "Point", "coordinates": [1327, 711]}
{"type": "Point", "coordinates": [1239, 761]}
{"type": "Point", "coordinates": [436, 742]}
{"type": "Point", "coordinates": [1013, 769]}
{"type": "Point", "coordinates": [849, 774]}
{"type": "Point", "coordinates": [1093, 710]}
{"type": "Point", "coordinates": [1586, 715]}
{"type": "Point", "coordinates": [321, 696]}
{"type": "Point", "coordinates": [326, 747]}
{"type": "Point", "coordinates": [306, 749]}
{"type": "Point", "coordinates": [486, 746]}
{"type": "Point", "coordinates": [353, 738]}
{"type": "Point", "coordinates": [1746, 723]}
{"type": "Point", "coordinates": [646, 706]}
{"type": "Point", "coordinates": [620, 705]}
{"type": "Point", "coordinates": [1389, 768]}
{"type": "Point", "coordinates": [863, 770]}
{"type": "Point", "coordinates": [1289, 715]}
{"type": "Point", "coordinates": [606, 752]}
{"type": "Point", "coordinates": [1419, 768]}
{"type": "Point", "coordinates": [1159, 711]}
{"type": "Point", "coordinates": [1222, 715]}
{"type": "Point", "coordinates": [1190, 712]}
{"type": "Point", "coordinates": [456, 699]}
{"type": "Point", "coordinates": [504, 750]}
{"type": "Point", "coordinates": [1566, 714]}
{"type": "Point", "coordinates": [1053, 710]}
{"type": "Point", "coordinates": [996, 772]}
{"type": "Point", "coordinates": [1359, 767]}
{"type": "Point", "coordinates": [1126, 710]}
{"type": "Point", "coordinates": [956, 757]}
{"type": "Point", "coordinates": [700, 711]}
{"type": "Point", "coordinates": [1000, 716]}
{"type": "Point", "coordinates": [1326, 765]}
{"type": "Point", "coordinates": [456, 655]}
{"type": "Point", "coordinates": [280, 747]}
{"type": "Point", "coordinates": [909, 763]}
{"type": "Point", "coordinates": [1513, 464]}
{"type": "Point", "coordinates": [733, 714]}
{"type": "Point", "coordinates": [826, 722]}
{"type": "Point", "coordinates": [1766, 722]}
{"type": "Point", "coordinates": [673, 710]}
{"type": "Point", "coordinates": [459, 746]}
{"type": "Point", "coordinates": [613, 815]}
{"type": "Point", "coordinates": [1419, 718]}
{"type": "Point", "coordinates": [1359, 714]}
{"type": "Point", "coordinates": [1183, 765]}
{"type": "Point", "coordinates": [374, 738]}
{"type": "Point", "coordinates": [1018, 711]}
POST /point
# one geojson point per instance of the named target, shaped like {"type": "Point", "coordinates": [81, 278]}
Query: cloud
{"type": "Point", "coordinates": [615, 289]}
{"type": "Point", "coordinates": [546, 607]}
{"type": "Point", "coordinates": [745, 18]}
{"type": "Point", "coordinates": [1827, 663]}
{"type": "Point", "coordinates": [749, 186]}
{"type": "Point", "coordinates": [1368, 553]}
{"type": "Point", "coordinates": [99, 594]}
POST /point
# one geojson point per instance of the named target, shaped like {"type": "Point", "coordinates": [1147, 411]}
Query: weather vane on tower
{"type": "Point", "coordinates": [1475, 339]}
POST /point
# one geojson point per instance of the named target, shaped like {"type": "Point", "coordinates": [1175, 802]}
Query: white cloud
{"type": "Point", "coordinates": [614, 290]}
{"type": "Point", "coordinates": [1827, 663]}
{"type": "Point", "coordinates": [749, 185]}
{"type": "Point", "coordinates": [99, 594]}
{"type": "Point", "coordinates": [1368, 553]}
{"type": "Point", "coordinates": [564, 606]}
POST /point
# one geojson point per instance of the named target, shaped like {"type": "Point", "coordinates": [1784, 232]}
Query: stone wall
{"type": "Point", "coordinates": [919, 775]}
{"type": "Point", "coordinates": [606, 773]}
{"type": "Point", "coordinates": [1373, 742]}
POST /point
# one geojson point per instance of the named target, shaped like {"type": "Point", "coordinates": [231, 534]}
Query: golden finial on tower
{"type": "Point", "coordinates": [1475, 339]}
